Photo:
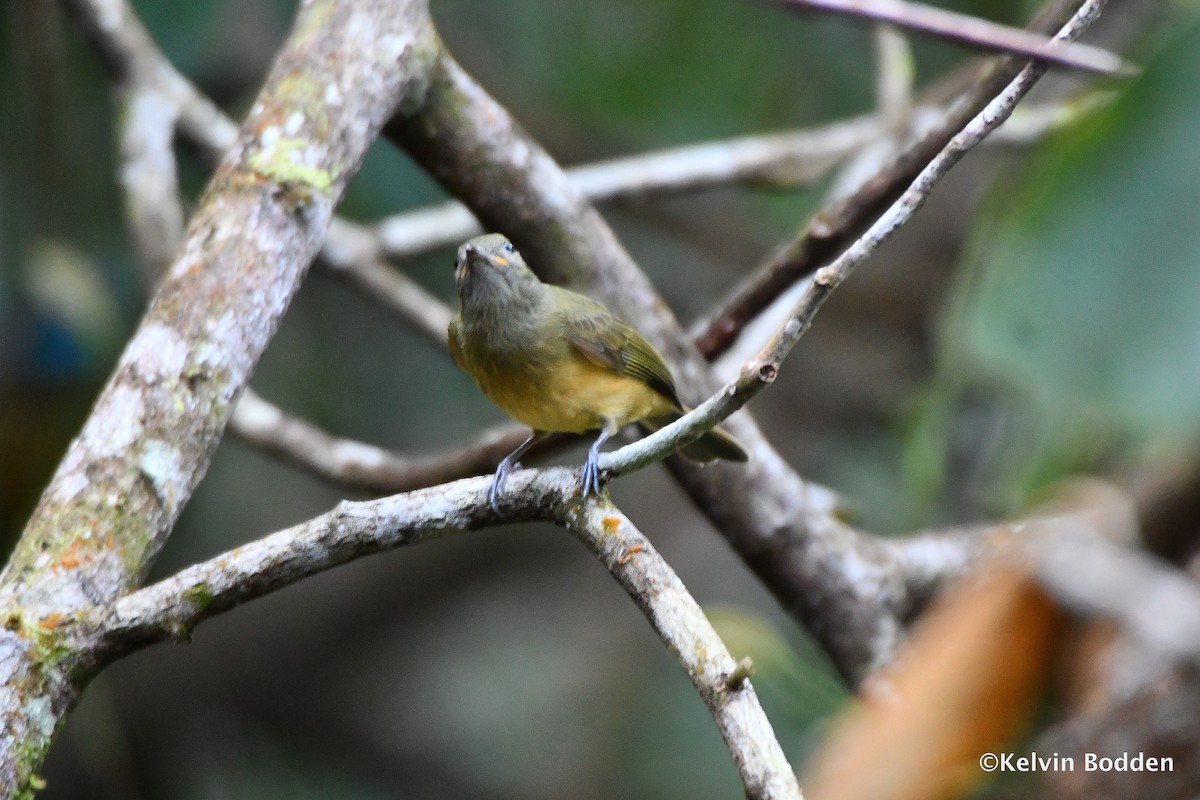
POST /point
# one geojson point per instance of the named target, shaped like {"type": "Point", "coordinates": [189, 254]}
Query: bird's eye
{"type": "Point", "coordinates": [508, 247]}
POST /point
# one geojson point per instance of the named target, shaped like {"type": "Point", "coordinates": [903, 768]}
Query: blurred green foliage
{"type": "Point", "coordinates": [1074, 330]}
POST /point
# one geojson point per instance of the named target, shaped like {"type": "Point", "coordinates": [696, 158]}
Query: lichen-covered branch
{"type": "Point", "coordinates": [116, 495]}
{"type": "Point", "coordinates": [263, 218]}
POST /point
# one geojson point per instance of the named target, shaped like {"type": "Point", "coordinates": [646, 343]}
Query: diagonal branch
{"type": "Point", "coordinates": [158, 421]}
{"type": "Point", "coordinates": [761, 372]}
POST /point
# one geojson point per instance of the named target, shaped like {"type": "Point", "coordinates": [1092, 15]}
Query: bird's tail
{"type": "Point", "coordinates": [709, 447]}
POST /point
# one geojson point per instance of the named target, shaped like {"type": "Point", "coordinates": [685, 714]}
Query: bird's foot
{"type": "Point", "coordinates": [590, 475]}
{"type": "Point", "coordinates": [497, 487]}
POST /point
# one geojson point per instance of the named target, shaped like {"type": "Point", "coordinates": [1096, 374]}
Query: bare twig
{"type": "Point", "coordinates": [362, 465]}
{"type": "Point", "coordinates": [895, 72]}
{"type": "Point", "coordinates": [148, 176]}
{"type": "Point", "coordinates": [126, 50]}
{"type": "Point", "coordinates": [973, 31]}
{"type": "Point", "coordinates": [791, 158]}
{"type": "Point", "coordinates": [682, 625]}
{"type": "Point", "coordinates": [172, 607]}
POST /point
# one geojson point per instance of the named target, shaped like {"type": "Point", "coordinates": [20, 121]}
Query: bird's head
{"type": "Point", "coordinates": [489, 268]}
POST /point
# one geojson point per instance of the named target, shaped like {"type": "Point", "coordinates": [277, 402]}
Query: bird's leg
{"type": "Point", "coordinates": [508, 465]}
{"type": "Point", "coordinates": [589, 476]}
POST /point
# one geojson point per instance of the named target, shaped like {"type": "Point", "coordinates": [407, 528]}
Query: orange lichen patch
{"type": "Point", "coordinates": [629, 553]}
{"type": "Point", "coordinates": [610, 524]}
{"type": "Point", "coordinates": [50, 621]}
{"type": "Point", "coordinates": [76, 552]}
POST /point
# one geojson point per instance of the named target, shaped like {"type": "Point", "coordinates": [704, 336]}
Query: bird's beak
{"type": "Point", "coordinates": [473, 254]}
{"type": "Point", "coordinates": [466, 255]}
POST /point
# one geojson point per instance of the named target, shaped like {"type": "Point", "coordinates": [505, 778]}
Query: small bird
{"type": "Point", "coordinates": [558, 361]}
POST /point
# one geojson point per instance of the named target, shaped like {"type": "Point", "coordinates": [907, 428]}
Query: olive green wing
{"type": "Point", "coordinates": [608, 342]}
{"type": "Point", "coordinates": [456, 344]}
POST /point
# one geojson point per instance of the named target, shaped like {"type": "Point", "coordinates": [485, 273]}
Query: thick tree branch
{"type": "Point", "coordinates": [160, 417]}
{"type": "Point", "coordinates": [125, 478]}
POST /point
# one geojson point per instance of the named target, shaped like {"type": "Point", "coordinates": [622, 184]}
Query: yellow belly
{"type": "Point", "coordinates": [574, 397]}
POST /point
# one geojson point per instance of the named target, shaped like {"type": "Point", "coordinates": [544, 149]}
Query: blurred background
{"type": "Point", "coordinates": [1037, 319]}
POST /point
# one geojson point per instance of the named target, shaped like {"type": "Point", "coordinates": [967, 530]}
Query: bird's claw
{"type": "Point", "coordinates": [497, 487]}
{"type": "Point", "coordinates": [590, 476]}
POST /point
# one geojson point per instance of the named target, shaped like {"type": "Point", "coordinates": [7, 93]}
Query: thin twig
{"type": "Point", "coordinates": [794, 158]}
{"type": "Point", "coordinates": [895, 72]}
{"type": "Point", "coordinates": [148, 176]}
{"type": "Point", "coordinates": [973, 31]}
{"type": "Point", "coordinates": [358, 464]}
{"type": "Point", "coordinates": [128, 52]}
